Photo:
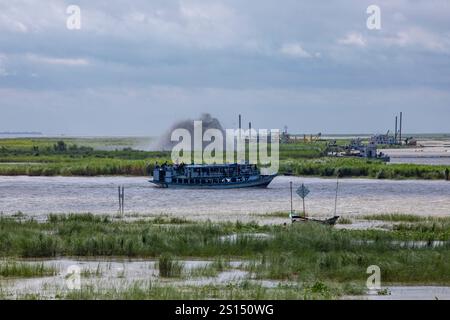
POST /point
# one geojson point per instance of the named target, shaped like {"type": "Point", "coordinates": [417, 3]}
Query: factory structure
{"type": "Point", "coordinates": [367, 148]}
{"type": "Point", "coordinates": [393, 139]}
{"type": "Point", "coordinates": [357, 148]}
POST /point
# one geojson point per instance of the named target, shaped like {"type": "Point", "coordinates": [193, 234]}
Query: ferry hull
{"type": "Point", "coordinates": [263, 182]}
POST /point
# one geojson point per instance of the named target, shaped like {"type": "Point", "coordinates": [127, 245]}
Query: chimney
{"type": "Point", "coordinates": [401, 123]}
{"type": "Point", "coordinates": [396, 129]}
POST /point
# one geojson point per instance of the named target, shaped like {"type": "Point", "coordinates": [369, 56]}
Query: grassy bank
{"type": "Point", "coordinates": [303, 252]}
{"type": "Point", "coordinates": [84, 167]}
{"type": "Point", "coordinates": [345, 167]}
{"type": "Point", "coordinates": [13, 269]}
{"type": "Point", "coordinates": [50, 157]}
{"type": "Point", "coordinates": [245, 290]}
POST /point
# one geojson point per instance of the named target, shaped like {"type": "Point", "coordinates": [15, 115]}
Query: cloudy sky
{"type": "Point", "coordinates": [137, 66]}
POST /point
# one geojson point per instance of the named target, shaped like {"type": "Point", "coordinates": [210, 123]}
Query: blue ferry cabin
{"type": "Point", "coordinates": [210, 176]}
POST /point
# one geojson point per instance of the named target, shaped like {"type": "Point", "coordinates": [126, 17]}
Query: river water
{"type": "Point", "coordinates": [42, 195]}
{"type": "Point", "coordinates": [430, 152]}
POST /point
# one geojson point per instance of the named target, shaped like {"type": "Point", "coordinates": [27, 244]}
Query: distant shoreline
{"type": "Point", "coordinates": [21, 133]}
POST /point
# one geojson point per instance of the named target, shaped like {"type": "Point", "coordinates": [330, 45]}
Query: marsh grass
{"type": "Point", "coordinates": [427, 227]}
{"type": "Point", "coordinates": [305, 252]}
{"type": "Point", "coordinates": [245, 290]}
{"type": "Point", "coordinates": [212, 269]}
{"type": "Point", "coordinates": [276, 214]}
{"type": "Point", "coordinates": [38, 157]}
{"type": "Point", "coordinates": [19, 215]}
{"type": "Point", "coordinates": [395, 217]}
{"type": "Point", "coordinates": [11, 269]}
{"type": "Point", "coordinates": [207, 271]}
{"type": "Point", "coordinates": [412, 227]}
{"type": "Point", "coordinates": [345, 221]}
{"type": "Point", "coordinates": [72, 217]}
{"type": "Point", "coordinates": [321, 167]}
{"type": "Point", "coordinates": [169, 267]}
{"type": "Point", "coordinates": [221, 264]}
{"type": "Point", "coordinates": [329, 166]}
{"type": "Point", "coordinates": [399, 217]}
{"type": "Point", "coordinates": [89, 273]}
{"type": "Point", "coordinates": [171, 220]}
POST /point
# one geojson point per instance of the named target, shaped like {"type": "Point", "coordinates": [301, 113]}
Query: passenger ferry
{"type": "Point", "coordinates": [211, 176]}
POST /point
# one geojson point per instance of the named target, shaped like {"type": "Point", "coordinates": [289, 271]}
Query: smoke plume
{"type": "Point", "coordinates": [208, 122]}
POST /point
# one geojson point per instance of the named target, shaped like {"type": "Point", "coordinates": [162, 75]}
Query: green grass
{"type": "Point", "coordinates": [302, 150]}
{"type": "Point", "coordinates": [97, 143]}
{"type": "Point", "coordinates": [169, 267]}
{"type": "Point", "coordinates": [429, 227]}
{"type": "Point", "coordinates": [10, 269]}
{"type": "Point", "coordinates": [276, 214]}
{"type": "Point", "coordinates": [345, 221]}
{"type": "Point", "coordinates": [408, 228]}
{"type": "Point", "coordinates": [330, 167]}
{"type": "Point", "coordinates": [83, 167]}
{"type": "Point", "coordinates": [399, 217]}
{"type": "Point", "coordinates": [42, 157]}
{"type": "Point", "coordinates": [245, 290]}
{"type": "Point", "coordinates": [219, 264]}
{"type": "Point", "coordinates": [88, 273]}
{"type": "Point", "coordinates": [306, 252]}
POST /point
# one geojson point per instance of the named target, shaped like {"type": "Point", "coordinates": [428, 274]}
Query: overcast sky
{"type": "Point", "coordinates": [135, 67]}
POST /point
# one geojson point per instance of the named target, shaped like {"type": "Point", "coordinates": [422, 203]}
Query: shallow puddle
{"type": "Point", "coordinates": [102, 273]}
{"type": "Point", "coordinates": [412, 293]}
{"type": "Point", "coordinates": [234, 237]}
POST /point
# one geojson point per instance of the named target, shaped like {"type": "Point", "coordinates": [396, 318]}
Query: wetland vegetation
{"type": "Point", "coordinates": [88, 157]}
{"type": "Point", "coordinates": [15, 269]}
{"type": "Point", "coordinates": [299, 261]}
{"type": "Point", "coordinates": [304, 253]}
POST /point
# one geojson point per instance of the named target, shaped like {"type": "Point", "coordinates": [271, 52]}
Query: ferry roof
{"type": "Point", "coordinates": [217, 165]}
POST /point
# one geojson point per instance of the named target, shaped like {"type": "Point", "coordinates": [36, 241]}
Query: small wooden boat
{"type": "Point", "coordinates": [329, 222]}
{"type": "Point", "coordinates": [303, 192]}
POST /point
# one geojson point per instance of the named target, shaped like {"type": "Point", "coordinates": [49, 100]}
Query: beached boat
{"type": "Point", "coordinates": [211, 176]}
{"type": "Point", "coordinates": [331, 221]}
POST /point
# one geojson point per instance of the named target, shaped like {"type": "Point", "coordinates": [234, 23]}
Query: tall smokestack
{"type": "Point", "coordinates": [250, 130]}
{"type": "Point", "coordinates": [396, 129]}
{"type": "Point", "coordinates": [401, 124]}
{"type": "Point", "coordinates": [240, 126]}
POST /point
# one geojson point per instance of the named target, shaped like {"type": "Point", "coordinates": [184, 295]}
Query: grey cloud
{"type": "Point", "coordinates": [219, 51]}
